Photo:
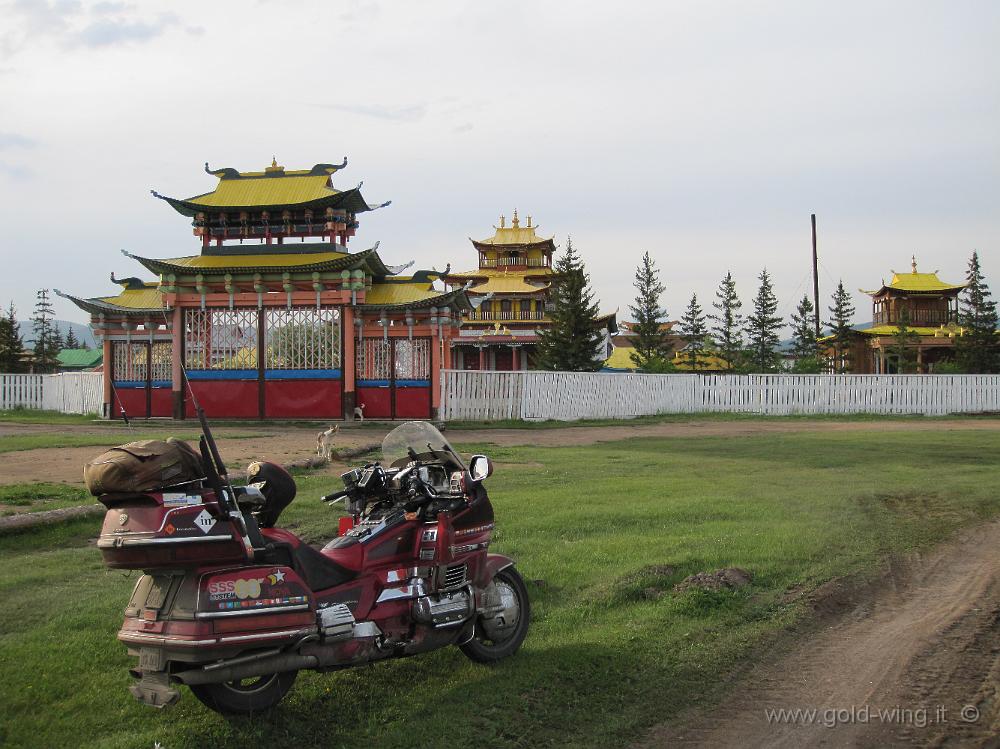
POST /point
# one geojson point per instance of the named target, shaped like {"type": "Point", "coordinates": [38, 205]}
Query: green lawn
{"type": "Point", "coordinates": [603, 660]}
{"type": "Point", "coordinates": [41, 496]}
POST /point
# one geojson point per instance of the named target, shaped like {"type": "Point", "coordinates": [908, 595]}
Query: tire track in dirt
{"type": "Point", "coordinates": [927, 644]}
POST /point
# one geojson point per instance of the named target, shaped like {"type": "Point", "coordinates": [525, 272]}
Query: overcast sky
{"type": "Point", "coordinates": [704, 132]}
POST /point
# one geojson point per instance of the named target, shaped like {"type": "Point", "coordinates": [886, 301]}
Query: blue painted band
{"type": "Point", "coordinates": [222, 374]}
{"type": "Point", "coordinates": [301, 374]}
{"type": "Point", "coordinates": [372, 383]}
{"type": "Point", "coordinates": [413, 383]}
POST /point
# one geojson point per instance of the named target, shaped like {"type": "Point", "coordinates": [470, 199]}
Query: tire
{"type": "Point", "coordinates": [245, 696]}
{"type": "Point", "coordinates": [481, 648]}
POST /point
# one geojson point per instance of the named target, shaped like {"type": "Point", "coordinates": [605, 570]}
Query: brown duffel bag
{"type": "Point", "coordinates": [143, 466]}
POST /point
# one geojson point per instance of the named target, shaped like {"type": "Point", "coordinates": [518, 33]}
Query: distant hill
{"type": "Point", "coordinates": [82, 332]}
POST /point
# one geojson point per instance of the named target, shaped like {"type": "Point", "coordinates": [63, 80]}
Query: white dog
{"type": "Point", "coordinates": [324, 442]}
{"type": "Point", "coordinates": [359, 413]}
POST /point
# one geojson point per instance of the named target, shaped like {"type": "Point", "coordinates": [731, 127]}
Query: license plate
{"type": "Point", "coordinates": [150, 659]}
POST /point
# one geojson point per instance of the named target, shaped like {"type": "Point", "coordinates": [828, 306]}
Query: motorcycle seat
{"type": "Point", "coordinates": [315, 568]}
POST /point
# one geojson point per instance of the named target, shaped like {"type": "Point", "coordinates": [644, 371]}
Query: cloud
{"type": "Point", "coordinates": [412, 113]}
{"type": "Point", "coordinates": [14, 140]}
{"type": "Point", "coordinates": [463, 128]}
{"type": "Point", "coordinates": [15, 171]}
{"type": "Point", "coordinates": [70, 24]}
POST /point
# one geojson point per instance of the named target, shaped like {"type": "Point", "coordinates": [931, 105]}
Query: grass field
{"type": "Point", "coordinates": [592, 528]}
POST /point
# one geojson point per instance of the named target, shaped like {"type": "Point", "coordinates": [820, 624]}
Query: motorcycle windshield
{"type": "Point", "coordinates": [418, 440]}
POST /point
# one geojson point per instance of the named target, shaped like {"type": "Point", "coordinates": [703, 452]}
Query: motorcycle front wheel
{"type": "Point", "coordinates": [501, 635]}
{"type": "Point", "coordinates": [244, 696]}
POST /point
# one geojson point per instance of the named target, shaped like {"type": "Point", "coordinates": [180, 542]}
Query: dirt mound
{"type": "Point", "coordinates": [724, 579]}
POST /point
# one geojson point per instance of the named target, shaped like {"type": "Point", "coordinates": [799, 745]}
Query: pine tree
{"type": "Point", "coordinates": [570, 344]}
{"type": "Point", "coordinates": [728, 327]}
{"type": "Point", "coordinates": [762, 328]}
{"type": "Point", "coordinates": [42, 327]}
{"type": "Point", "coordinates": [976, 348]}
{"type": "Point", "coordinates": [58, 344]}
{"type": "Point", "coordinates": [694, 332]}
{"type": "Point", "coordinates": [652, 347]}
{"type": "Point", "coordinates": [11, 343]}
{"type": "Point", "coordinates": [71, 340]}
{"type": "Point", "coordinates": [904, 345]}
{"type": "Point", "coordinates": [805, 347]}
{"type": "Point", "coordinates": [841, 314]}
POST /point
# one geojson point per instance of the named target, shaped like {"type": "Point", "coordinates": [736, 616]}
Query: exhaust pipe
{"type": "Point", "coordinates": [243, 669]}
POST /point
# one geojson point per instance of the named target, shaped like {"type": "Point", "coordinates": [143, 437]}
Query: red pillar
{"type": "Point", "coordinates": [482, 358]}
{"type": "Point", "coordinates": [347, 361]}
{"type": "Point", "coordinates": [515, 358]}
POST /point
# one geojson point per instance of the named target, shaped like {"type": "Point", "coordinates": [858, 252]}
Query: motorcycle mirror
{"type": "Point", "coordinates": [480, 467]}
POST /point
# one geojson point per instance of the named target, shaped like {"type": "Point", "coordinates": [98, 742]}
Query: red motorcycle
{"type": "Point", "coordinates": [234, 607]}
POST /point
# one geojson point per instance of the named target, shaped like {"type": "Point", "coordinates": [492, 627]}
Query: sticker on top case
{"type": "Point", "coordinates": [180, 499]}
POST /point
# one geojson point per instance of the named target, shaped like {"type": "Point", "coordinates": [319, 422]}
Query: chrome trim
{"type": "Point", "coordinates": [395, 576]}
{"type": "Point", "coordinates": [262, 635]}
{"type": "Point", "coordinates": [111, 542]}
{"type": "Point", "coordinates": [247, 612]}
{"type": "Point", "coordinates": [407, 591]}
{"type": "Point", "coordinates": [163, 640]}
{"type": "Point", "coordinates": [366, 629]}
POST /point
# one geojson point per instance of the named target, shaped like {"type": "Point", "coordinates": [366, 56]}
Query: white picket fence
{"type": "Point", "coordinates": [568, 396]}
{"type": "Point", "coordinates": [67, 392]}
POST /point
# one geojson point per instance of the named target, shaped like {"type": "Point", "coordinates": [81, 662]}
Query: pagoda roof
{"type": "Point", "coordinates": [130, 301]}
{"type": "Point", "coordinates": [943, 331]}
{"type": "Point", "coordinates": [514, 235]}
{"type": "Point", "coordinates": [401, 290]}
{"type": "Point", "coordinates": [300, 262]}
{"type": "Point", "coordinates": [274, 188]}
{"type": "Point", "coordinates": [414, 299]}
{"type": "Point", "coordinates": [488, 273]}
{"type": "Point", "coordinates": [513, 284]}
{"type": "Point", "coordinates": [916, 283]}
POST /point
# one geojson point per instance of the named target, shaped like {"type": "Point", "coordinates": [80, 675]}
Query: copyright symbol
{"type": "Point", "coordinates": [970, 713]}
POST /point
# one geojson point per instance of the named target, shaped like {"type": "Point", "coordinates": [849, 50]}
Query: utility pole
{"type": "Point", "coordinates": [815, 274]}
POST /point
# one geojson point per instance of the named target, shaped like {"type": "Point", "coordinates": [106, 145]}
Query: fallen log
{"type": "Point", "coordinates": [48, 517]}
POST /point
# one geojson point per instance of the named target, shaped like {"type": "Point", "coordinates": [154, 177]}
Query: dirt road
{"type": "Point", "coordinates": [287, 444]}
{"type": "Point", "coordinates": [913, 663]}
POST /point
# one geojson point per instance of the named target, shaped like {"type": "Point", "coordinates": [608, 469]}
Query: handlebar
{"type": "Point", "coordinates": [336, 496]}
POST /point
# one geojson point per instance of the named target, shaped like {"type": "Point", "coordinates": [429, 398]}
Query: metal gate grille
{"type": "Point", "coordinates": [129, 362]}
{"type": "Point", "coordinates": [302, 338]}
{"type": "Point", "coordinates": [161, 362]}
{"type": "Point", "coordinates": [220, 338]}
{"type": "Point", "coordinates": [413, 359]}
{"type": "Point", "coordinates": [374, 359]}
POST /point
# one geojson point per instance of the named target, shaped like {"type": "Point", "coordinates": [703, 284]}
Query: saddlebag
{"type": "Point", "coordinates": [143, 466]}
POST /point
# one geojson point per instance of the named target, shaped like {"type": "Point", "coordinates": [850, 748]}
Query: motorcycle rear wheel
{"type": "Point", "coordinates": [245, 696]}
{"type": "Point", "coordinates": [481, 647]}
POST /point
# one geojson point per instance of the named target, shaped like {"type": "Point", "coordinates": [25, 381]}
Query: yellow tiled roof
{"type": "Point", "coordinates": [501, 273]}
{"type": "Point", "coordinates": [621, 358]}
{"type": "Point", "coordinates": [916, 282]}
{"type": "Point", "coordinates": [710, 362]}
{"type": "Point", "coordinates": [254, 261]}
{"type": "Point", "coordinates": [399, 293]}
{"type": "Point", "coordinates": [286, 189]}
{"type": "Point", "coordinates": [148, 298]}
{"type": "Point", "coordinates": [890, 330]}
{"type": "Point", "coordinates": [515, 235]}
{"type": "Point", "coordinates": [513, 284]}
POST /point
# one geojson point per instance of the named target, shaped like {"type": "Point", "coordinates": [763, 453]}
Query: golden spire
{"type": "Point", "coordinates": [529, 222]}
{"type": "Point", "coordinates": [274, 160]}
{"type": "Point", "coordinates": [914, 263]}
{"type": "Point", "coordinates": [274, 166]}
{"type": "Point", "coordinates": [503, 221]}
{"type": "Point", "coordinates": [514, 221]}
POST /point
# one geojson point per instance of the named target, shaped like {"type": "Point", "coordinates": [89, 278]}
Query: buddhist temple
{"type": "Point", "coordinates": [511, 286]}
{"type": "Point", "coordinates": [275, 317]}
{"type": "Point", "coordinates": [929, 308]}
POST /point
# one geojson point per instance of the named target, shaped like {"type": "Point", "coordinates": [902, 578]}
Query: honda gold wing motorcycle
{"type": "Point", "coordinates": [233, 607]}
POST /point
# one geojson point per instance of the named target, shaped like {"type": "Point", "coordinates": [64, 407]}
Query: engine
{"type": "Point", "coordinates": [444, 610]}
